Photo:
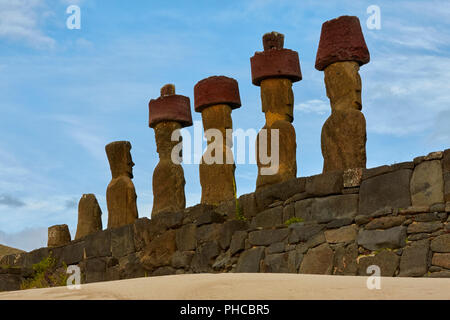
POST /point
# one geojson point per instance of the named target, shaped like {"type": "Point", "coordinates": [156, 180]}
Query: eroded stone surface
{"type": "Point", "coordinates": [387, 190]}
{"type": "Point", "coordinates": [318, 260]}
{"type": "Point", "coordinates": [427, 184]}
{"type": "Point", "coordinates": [380, 239]}
{"type": "Point", "coordinates": [386, 260]}
{"type": "Point", "coordinates": [414, 260]}
{"type": "Point", "coordinates": [89, 216]}
{"type": "Point", "coordinates": [58, 235]}
{"type": "Point", "coordinates": [441, 260]}
{"type": "Point", "coordinates": [344, 234]}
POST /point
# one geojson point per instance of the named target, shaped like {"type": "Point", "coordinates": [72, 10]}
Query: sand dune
{"type": "Point", "coordinates": [241, 286]}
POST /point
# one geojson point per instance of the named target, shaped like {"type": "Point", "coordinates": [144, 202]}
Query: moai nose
{"type": "Point", "coordinates": [273, 40]}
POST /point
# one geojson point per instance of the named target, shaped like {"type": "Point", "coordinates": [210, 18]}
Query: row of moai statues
{"type": "Point", "coordinates": [342, 50]}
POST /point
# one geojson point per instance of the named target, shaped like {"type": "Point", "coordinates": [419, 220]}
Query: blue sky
{"type": "Point", "coordinates": [65, 94]}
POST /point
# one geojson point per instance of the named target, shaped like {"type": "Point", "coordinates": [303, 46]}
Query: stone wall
{"type": "Point", "coordinates": [338, 223]}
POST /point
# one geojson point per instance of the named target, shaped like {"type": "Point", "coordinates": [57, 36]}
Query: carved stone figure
{"type": "Point", "coordinates": [215, 97]}
{"type": "Point", "coordinates": [274, 70]}
{"type": "Point", "coordinates": [120, 194]}
{"type": "Point", "coordinates": [168, 113]}
{"type": "Point", "coordinates": [89, 216]}
{"type": "Point", "coordinates": [342, 50]}
{"type": "Point", "coordinates": [58, 236]}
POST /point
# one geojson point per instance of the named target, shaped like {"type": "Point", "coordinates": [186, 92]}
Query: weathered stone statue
{"type": "Point", "coordinates": [215, 97]}
{"type": "Point", "coordinates": [168, 113]}
{"type": "Point", "coordinates": [58, 236]}
{"type": "Point", "coordinates": [120, 195]}
{"type": "Point", "coordinates": [342, 50]}
{"type": "Point", "coordinates": [89, 216]}
{"type": "Point", "coordinates": [274, 70]}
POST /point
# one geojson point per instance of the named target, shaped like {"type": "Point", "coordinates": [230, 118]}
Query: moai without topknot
{"type": "Point", "coordinates": [342, 50]}
{"type": "Point", "coordinates": [274, 70]}
{"type": "Point", "coordinates": [89, 216]}
{"type": "Point", "coordinates": [121, 194]}
{"type": "Point", "coordinates": [215, 97]}
{"type": "Point", "coordinates": [58, 236]}
{"type": "Point", "coordinates": [168, 113]}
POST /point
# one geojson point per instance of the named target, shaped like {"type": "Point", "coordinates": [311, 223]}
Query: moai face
{"type": "Point", "coordinates": [218, 117]}
{"type": "Point", "coordinates": [119, 158]}
{"type": "Point", "coordinates": [343, 84]}
{"type": "Point", "coordinates": [277, 97]}
{"type": "Point", "coordinates": [163, 137]}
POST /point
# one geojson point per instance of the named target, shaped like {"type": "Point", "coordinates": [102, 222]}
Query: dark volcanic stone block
{"type": "Point", "coordinates": [249, 261]}
{"type": "Point", "coordinates": [387, 190]}
{"type": "Point", "coordinates": [122, 241]}
{"type": "Point", "coordinates": [95, 270]}
{"type": "Point", "coordinates": [267, 237]}
{"type": "Point", "coordinates": [325, 184]}
{"type": "Point", "coordinates": [73, 253]}
{"type": "Point", "coordinates": [278, 192]}
{"type": "Point", "coordinates": [318, 260]}
{"type": "Point", "coordinates": [247, 205]}
{"type": "Point", "coordinates": [98, 244]}
{"type": "Point", "coordinates": [414, 261]}
{"type": "Point", "coordinates": [386, 260]}
{"type": "Point", "coordinates": [392, 238]}
{"type": "Point", "coordinates": [228, 230]}
{"type": "Point", "coordinates": [186, 237]}
{"type": "Point", "coordinates": [268, 218]}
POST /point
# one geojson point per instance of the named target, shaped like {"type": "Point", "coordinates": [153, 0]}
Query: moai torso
{"type": "Point", "coordinates": [168, 113]}
{"type": "Point", "coordinates": [274, 70]}
{"type": "Point", "coordinates": [121, 194]}
{"type": "Point", "coordinates": [342, 50]}
{"type": "Point", "coordinates": [215, 97]}
{"type": "Point", "coordinates": [58, 235]}
{"type": "Point", "coordinates": [89, 216]}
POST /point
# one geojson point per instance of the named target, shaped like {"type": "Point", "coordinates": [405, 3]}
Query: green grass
{"type": "Point", "coordinates": [293, 220]}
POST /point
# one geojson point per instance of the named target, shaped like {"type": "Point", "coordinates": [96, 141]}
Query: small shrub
{"type": "Point", "coordinates": [46, 274]}
{"type": "Point", "coordinates": [293, 220]}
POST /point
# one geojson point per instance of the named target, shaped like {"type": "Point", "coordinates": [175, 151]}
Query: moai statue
{"type": "Point", "coordinates": [89, 216]}
{"type": "Point", "coordinates": [168, 113]}
{"type": "Point", "coordinates": [342, 50]}
{"type": "Point", "coordinates": [58, 236]}
{"type": "Point", "coordinates": [120, 195]}
{"type": "Point", "coordinates": [215, 97]}
{"type": "Point", "coordinates": [274, 70]}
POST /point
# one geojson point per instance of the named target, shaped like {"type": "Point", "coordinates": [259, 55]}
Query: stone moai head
{"type": "Point", "coordinates": [167, 113]}
{"type": "Point", "coordinates": [342, 50]}
{"type": "Point", "coordinates": [268, 67]}
{"type": "Point", "coordinates": [119, 157]}
{"type": "Point", "coordinates": [58, 235]}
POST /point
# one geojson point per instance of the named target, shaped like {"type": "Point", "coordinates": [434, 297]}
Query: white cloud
{"type": "Point", "coordinates": [313, 106]}
{"type": "Point", "coordinates": [20, 20]}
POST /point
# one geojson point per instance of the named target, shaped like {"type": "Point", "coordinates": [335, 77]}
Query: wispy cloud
{"type": "Point", "coordinates": [21, 20]}
{"type": "Point", "coordinates": [313, 106]}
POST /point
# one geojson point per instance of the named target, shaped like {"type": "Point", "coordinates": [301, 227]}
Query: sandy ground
{"type": "Point", "coordinates": [241, 286]}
